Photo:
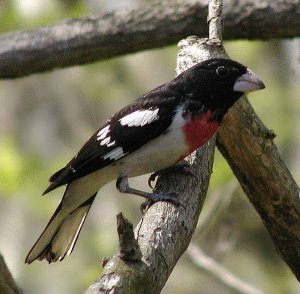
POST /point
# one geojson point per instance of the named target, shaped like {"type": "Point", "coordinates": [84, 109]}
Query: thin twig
{"type": "Point", "coordinates": [214, 19]}
{"type": "Point", "coordinates": [214, 206]}
{"type": "Point", "coordinates": [219, 272]}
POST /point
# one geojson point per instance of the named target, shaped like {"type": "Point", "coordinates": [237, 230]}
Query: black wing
{"type": "Point", "coordinates": [116, 140]}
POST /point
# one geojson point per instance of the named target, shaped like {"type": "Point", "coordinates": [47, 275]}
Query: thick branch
{"type": "Point", "coordinates": [165, 231]}
{"type": "Point", "coordinates": [160, 23]}
{"type": "Point", "coordinates": [249, 149]}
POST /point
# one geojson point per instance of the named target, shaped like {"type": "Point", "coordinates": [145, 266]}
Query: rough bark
{"type": "Point", "coordinates": [153, 25]}
{"type": "Point", "coordinates": [248, 147]}
{"type": "Point", "coordinates": [7, 283]}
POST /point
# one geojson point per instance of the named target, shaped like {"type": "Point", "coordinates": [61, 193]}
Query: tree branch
{"type": "Point", "coordinates": [248, 147]}
{"type": "Point", "coordinates": [219, 272]}
{"type": "Point", "coordinates": [160, 23]}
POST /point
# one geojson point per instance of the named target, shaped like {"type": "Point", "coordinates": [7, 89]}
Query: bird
{"type": "Point", "coordinates": [151, 134]}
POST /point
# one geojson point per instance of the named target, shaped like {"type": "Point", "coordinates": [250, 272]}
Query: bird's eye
{"type": "Point", "coordinates": [222, 72]}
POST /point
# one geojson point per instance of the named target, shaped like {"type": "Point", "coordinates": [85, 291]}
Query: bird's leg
{"type": "Point", "coordinates": [181, 167]}
{"type": "Point", "coordinates": [123, 186]}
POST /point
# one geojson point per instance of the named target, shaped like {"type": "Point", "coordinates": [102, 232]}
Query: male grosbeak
{"type": "Point", "coordinates": [153, 133]}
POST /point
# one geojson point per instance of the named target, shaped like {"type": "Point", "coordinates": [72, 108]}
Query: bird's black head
{"type": "Point", "coordinates": [218, 83]}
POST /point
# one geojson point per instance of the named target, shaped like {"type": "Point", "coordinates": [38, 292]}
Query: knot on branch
{"type": "Point", "coordinates": [129, 247]}
{"type": "Point", "coordinates": [271, 135]}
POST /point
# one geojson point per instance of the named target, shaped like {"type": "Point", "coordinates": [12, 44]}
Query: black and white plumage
{"type": "Point", "coordinates": [154, 132]}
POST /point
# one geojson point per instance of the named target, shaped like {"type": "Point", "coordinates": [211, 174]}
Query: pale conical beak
{"type": "Point", "coordinates": [248, 82]}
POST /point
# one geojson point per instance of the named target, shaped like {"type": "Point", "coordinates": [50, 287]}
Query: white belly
{"type": "Point", "coordinates": [157, 154]}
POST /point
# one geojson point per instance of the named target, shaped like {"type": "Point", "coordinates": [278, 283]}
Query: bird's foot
{"type": "Point", "coordinates": [156, 197]}
{"type": "Point", "coordinates": [181, 167]}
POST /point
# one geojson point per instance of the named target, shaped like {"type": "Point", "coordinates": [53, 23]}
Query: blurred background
{"type": "Point", "coordinates": [46, 118]}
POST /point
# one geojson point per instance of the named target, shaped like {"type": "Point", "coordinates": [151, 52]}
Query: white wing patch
{"type": "Point", "coordinates": [115, 154]}
{"type": "Point", "coordinates": [111, 144]}
{"type": "Point", "coordinates": [102, 133]}
{"type": "Point", "coordinates": [139, 118]}
{"type": "Point", "coordinates": [105, 140]}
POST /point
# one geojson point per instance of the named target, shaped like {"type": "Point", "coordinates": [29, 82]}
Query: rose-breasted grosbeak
{"type": "Point", "coordinates": [154, 132]}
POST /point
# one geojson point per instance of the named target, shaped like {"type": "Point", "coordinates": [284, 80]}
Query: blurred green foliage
{"type": "Point", "coordinates": [11, 167]}
{"type": "Point", "coordinates": [45, 119]}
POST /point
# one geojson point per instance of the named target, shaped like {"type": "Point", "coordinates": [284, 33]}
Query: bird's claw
{"type": "Point", "coordinates": [167, 197]}
{"type": "Point", "coordinates": [152, 179]}
{"type": "Point", "coordinates": [183, 167]}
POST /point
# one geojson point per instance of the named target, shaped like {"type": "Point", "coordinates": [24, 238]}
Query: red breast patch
{"type": "Point", "coordinates": [198, 131]}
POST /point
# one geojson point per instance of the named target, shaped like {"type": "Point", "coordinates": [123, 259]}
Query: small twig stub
{"type": "Point", "coordinates": [129, 248]}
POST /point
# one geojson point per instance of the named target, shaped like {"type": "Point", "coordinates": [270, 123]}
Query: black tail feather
{"type": "Point", "coordinates": [55, 181]}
